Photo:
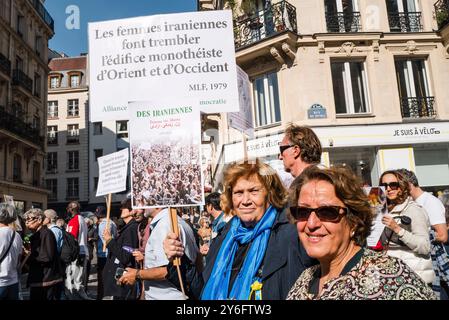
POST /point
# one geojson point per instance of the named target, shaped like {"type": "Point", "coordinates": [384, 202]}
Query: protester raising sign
{"type": "Point", "coordinates": [113, 172]}
{"type": "Point", "coordinates": [165, 139]}
{"type": "Point", "coordinates": [133, 59]}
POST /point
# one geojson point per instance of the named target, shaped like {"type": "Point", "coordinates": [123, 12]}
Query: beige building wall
{"type": "Point", "coordinates": [64, 119]}
{"type": "Point", "coordinates": [302, 62]}
{"type": "Point", "coordinates": [24, 35]}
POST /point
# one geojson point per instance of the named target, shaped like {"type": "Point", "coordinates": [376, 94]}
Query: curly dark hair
{"type": "Point", "coordinates": [277, 195]}
{"type": "Point", "coordinates": [348, 188]}
{"type": "Point", "coordinates": [307, 141]}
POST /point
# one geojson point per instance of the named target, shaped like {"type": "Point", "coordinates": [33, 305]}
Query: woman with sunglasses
{"type": "Point", "coordinates": [333, 219]}
{"type": "Point", "coordinates": [257, 255]}
{"type": "Point", "coordinates": [407, 239]}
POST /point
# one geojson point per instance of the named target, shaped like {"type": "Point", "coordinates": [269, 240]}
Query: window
{"type": "Point", "coordinates": [266, 98]}
{"type": "Point", "coordinates": [95, 183]}
{"type": "Point", "coordinates": [38, 45]}
{"type": "Point", "coordinates": [52, 186]}
{"type": "Point", "coordinates": [73, 108]}
{"type": "Point", "coordinates": [75, 80]}
{"type": "Point", "coordinates": [72, 188]}
{"type": "Point", "coordinates": [52, 162]}
{"type": "Point", "coordinates": [342, 15]}
{"type": "Point", "coordinates": [21, 25]}
{"type": "Point", "coordinates": [350, 87]}
{"type": "Point", "coordinates": [122, 129]}
{"type": "Point", "coordinates": [19, 63]}
{"type": "Point", "coordinates": [52, 109]}
{"type": "Point", "coordinates": [36, 123]}
{"type": "Point", "coordinates": [414, 89]}
{"type": "Point", "coordinates": [404, 16]}
{"type": "Point", "coordinates": [98, 128]}
{"type": "Point", "coordinates": [98, 153]}
{"type": "Point", "coordinates": [18, 111]}
{"type": "Point", "coordinates": [17, 168]}
{"type": "Point", "coordinates": [36, 174]}
{"type": "Point", "coordinates": [37, 85]}
{"type": "Point", "coordinates": [52, 135]}
{"type": "Point", "coordinates": [73, 133]}
{"type": "Point", "coordinates": [73, 161]}
{"type": "Point", "coordinates": [55, 82]}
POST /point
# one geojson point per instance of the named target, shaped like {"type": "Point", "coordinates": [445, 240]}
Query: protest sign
{"type": "Point", "coordinates": [113, 171]}
{"type": "Point", "coordinates": [243, 120]}
{"type": "Point", "coordinates": [190, 54]}
{"type": "Point", "coordinates": [378, 201]}
{"type": "Point", "coordinates": [9, 200]}
{"type": "Point", "coordinates": [165, 139]}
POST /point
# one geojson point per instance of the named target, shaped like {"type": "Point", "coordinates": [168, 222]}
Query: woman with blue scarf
{"type": "Point", "coordinates": [257, 255]}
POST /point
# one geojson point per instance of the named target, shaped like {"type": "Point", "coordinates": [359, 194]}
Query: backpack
{"type": "Point", "coordinates": [70, 248]}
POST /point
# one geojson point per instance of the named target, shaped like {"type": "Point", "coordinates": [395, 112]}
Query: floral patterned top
{"type": "Point", "coordinates": [376, 276]}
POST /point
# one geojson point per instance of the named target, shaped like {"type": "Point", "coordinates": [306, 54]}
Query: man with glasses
{"type": "Point", "coordinates": [299, 149]}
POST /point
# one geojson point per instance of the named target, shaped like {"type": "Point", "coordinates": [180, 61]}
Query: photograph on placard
{"type": "Point", "coordinates": [166, 155]}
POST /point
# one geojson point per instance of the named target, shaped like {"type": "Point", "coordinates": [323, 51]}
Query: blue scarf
{"type": "Point", "coordinates": [217, 286]}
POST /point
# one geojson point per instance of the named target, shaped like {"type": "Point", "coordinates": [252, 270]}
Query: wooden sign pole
{"type": "Point", "coordinates": [245, 149]}
{"type": "Point", "coordinates": [108, 216]}
{"type": "Point", "coordinates": [175, 230]}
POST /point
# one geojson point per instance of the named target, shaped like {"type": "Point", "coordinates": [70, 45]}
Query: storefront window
{"type": "Point", "coordinates": [360, 160]}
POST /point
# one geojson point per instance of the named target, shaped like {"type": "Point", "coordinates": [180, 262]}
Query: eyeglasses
{"type": "Point", "coordinates": [30, 219]}
{"type": "Point", "coordinates": [283, 148]}
{"type": "Point", "coordinates": [325, 213]}
{"type": "Point", "coordinates": [392, 185]}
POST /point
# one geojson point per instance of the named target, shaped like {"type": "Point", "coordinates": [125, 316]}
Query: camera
{"type": "Point", "coordinates": [119, 273]}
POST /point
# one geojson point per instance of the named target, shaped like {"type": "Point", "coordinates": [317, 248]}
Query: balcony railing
{"type": "Point", "coordinates": [5, 65]}
{"type": "Point", "coordinates": [422, 107]}
{"type": "Point", "coordinates": [442, 13]}
{"type": "Point", "coordinates": [20, 78]}
{"type": "Point", "coordinates": [43, 13]}
{"type": "Point", "coordinates": [20, 128]}
{"type": "Point", "coordinates": [52, 140]}
{"type": "Point", "coordinates": [405, 22]}
{"type": "Point", "coordinates": [343, 22]}
{"type": "Point", "coordinates": [262, 24]}
{"type": "Point", "coordinates": [73, 138]}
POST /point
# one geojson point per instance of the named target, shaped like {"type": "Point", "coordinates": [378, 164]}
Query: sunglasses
{"type": "Point", "coordinates": [325, 213]}
{"type": "Point", "coordinates": [283, 148]}
{"type": "Point", "coordinates": [392, 185]}
{"type": "Point", "coordinates": [30, 219]}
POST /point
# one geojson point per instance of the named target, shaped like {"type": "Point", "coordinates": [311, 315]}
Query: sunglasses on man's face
{"type": "Point", "coordinates": [325, 213]}
{"type": "Point", "coordinates": [30, 219]}
{"type": "Point", "coordinates": [392, 185]}
{"type": "Point", "coordinates": [283, 148]}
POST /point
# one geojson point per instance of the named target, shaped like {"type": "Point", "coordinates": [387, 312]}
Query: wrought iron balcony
{"type": "Point", "coordinates": [442, 12]}
{"type": "Point", "coordinates": [343, 22]}
{"type": "Point", "coordinates": [422, 107]}
{"type": "Point", "coordinates": [405, 21]}
{"type": "Point", "coordinates": [73, 138]}
{"type": "Point", "coordinates": [5, 65]}
{"type": "Point", "coordinates": [43, 13]}
{"type": "Point", "coordinates": [52, 140]}
{"type": "Point", "coordinates": [20, 128]}
{"type": "Point", "coordinates": [20, 78]}
{"type": "Point", "coordinates": [274, 19]}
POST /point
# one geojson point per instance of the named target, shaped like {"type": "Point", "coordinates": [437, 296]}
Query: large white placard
{"type": "Point", "coordinates": [113, 172]}
{"type": "Point", "coordinates": [243, 120]}
{"type": "Point", "coordinates": [184, 54]}
{"type": "Point", "coordinates": [165, 139]}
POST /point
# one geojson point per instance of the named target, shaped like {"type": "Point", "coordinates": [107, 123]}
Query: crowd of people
{"type": "Point", "coordinates": [165, 175]}
{"type": "Point", "coordinates": [257, 240]}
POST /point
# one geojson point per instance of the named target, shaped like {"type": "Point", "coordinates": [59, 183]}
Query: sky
{"type": "Point", "coordinates": [73, 41]}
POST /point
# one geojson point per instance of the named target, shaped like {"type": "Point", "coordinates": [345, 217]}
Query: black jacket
{"type": "Point", "coordinates": [285, 259]}
{"type": "Point", "coordinates": [44, 263]}
{"type": "Point", "coordinates": [118, 257]}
